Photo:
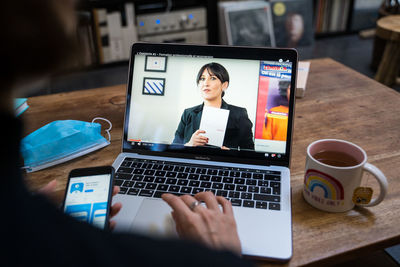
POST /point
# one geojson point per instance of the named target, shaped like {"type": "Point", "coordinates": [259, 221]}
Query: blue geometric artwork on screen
{"type": "Point", "coordinates": [153, 86]}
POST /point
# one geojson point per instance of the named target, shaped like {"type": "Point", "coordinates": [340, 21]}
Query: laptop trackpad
{"type": "Point", "coordinates": [154, 218]}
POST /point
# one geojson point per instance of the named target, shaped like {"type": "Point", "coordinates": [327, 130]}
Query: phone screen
{"type": "Point", "coordinates": [87, 199]}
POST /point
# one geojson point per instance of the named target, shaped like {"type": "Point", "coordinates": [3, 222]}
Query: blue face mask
{"type": "Point", "coordinates": [60, 141]}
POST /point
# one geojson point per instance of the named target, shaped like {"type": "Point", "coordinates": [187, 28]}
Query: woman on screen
{"type": "Point", "coordinates": [212, 81]}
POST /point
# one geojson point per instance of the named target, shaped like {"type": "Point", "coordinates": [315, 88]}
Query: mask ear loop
{"type": "Point", "coordinates": [107, 130]}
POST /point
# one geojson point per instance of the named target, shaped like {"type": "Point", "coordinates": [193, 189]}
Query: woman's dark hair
{"type": "Point", "coordinates": [216, 69]}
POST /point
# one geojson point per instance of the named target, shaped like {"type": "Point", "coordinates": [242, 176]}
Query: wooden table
{"type": "Point", "coordinates": [339, 103]}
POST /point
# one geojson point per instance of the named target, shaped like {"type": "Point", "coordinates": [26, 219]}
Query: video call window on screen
{"type": "Point", "coordinates": [168, 93]}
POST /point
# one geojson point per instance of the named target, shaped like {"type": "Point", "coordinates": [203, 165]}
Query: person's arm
{"type": "Point", "coordinates": [267, 128]}
{"type": "Point", "coordinates": [180, 131]}
{"type": "Point", "coordinates": [195, 140]}
{"type": "Point", "coordinates": [246, 133]}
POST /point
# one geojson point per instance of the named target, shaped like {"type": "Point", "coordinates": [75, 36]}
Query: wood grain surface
{"type": "Point", "coordinates": [339, 103]}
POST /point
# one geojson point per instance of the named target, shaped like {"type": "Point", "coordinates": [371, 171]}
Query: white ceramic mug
{"type": "Point", "coordinates": [331, 188]}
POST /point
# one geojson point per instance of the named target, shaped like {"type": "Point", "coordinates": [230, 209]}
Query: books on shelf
{"type": "Point", "coordinates": [101, 30]}
{"type": "Point", "coordinates": [246, 23]}
{"type": "Point", "coordinates": [129, 33]}
{"type": "Point", "coordinates": [293, 23]}
{"type": "Point", "coordinates": [332, 16]}
{"type": "Point", "coordinates": [20, 105]}
{"type": "Point", "coordinates": [114, 36]}
{"type": "Point", "coordinates": [106, 36]}
{"type": "Point", "coordinates": [85, 40]}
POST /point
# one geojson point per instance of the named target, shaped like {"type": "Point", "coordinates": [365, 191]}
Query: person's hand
{"type": "Point", "coordinates": [197, 139]}
{"type": "Point", "coordinates": [114, 208]}
{"type": "Point", "coordinates": [49, 191]}
{"type": "Point", "coordinates": [209, 225]}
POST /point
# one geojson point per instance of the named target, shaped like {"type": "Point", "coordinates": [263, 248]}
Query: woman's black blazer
{"type": "Point", "coordinates": [238, 132]}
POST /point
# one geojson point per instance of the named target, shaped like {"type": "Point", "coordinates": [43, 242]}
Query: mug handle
{"type": "Point", "coordinates": [383, 184]}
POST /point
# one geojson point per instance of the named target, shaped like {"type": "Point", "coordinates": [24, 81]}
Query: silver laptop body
{"type": "Point", "coordinates": [260, 177]}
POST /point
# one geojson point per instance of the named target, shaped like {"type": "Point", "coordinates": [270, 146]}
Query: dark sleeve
{"type": "Point", "coordinates": [42, 235]}
{"type": "Point", "coordinates": [246, 134]}
{"type": "Point", "coordinates": [180, 131]}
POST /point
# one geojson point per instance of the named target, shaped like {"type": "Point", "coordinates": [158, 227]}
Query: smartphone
{"type": "Point", "coordinates": [88, 195]}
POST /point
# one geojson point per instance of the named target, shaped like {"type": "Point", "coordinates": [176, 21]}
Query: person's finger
{"type": "Point", "coordinates": [177, 224]}
{"type": "Point", "coordinates": [199, 132]}
{"type": "Point", "coordinates": [173, 215]}
{"type": "Point", "coordinates": [116, 190]}
{"type": "Point", "coordinates": [189, 200]}
{"type": "Point", "coordinates": [226, 205]}
{"type": "Point", "coordinates": [112, 225]}
{"type": "Point", "coordinates": [203, 138]}
{"type": "Point", "coordinates": [49, 188]}
{"type": "Point", "coordinates": [199, 143]}
{"type": "Point", "coordinates": [209, 199]}
{"type": "Point", "coordinates": [177, 204]}
{"type": "Point", "coordinates": [203, 142]}
{"type": "Point", "coordinates": [115, 209]}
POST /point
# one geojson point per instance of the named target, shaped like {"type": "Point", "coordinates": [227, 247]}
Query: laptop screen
{"type": "Point", "coordinates": [193, 100]}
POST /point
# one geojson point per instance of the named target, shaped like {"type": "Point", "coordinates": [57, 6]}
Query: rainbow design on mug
{"type": "Point", "coordinates": [332, 188]}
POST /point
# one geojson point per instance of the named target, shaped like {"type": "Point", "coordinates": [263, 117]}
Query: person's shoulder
{"type": "Point", "coordinates": [236, 109]}
{"type": "Point", "coordinates": [190, 112]}
{"type": "Point", "coordinates": [193, 109]}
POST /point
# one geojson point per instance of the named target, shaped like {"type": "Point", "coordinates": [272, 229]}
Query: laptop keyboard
{"type": "Point", "coordinates": [249, 188]}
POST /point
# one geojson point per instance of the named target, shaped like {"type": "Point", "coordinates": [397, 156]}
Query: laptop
{"type": "Point", "coordinates": [247, 161]}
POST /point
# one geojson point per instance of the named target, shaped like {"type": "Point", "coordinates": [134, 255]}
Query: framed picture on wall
{"type": "Point", "coordinates": [156, 63]}
{"type": "Point", "coordinates": [153, 86]}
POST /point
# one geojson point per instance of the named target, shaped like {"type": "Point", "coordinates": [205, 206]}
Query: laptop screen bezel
{"type": "Point", "coordinates": [216, 51]}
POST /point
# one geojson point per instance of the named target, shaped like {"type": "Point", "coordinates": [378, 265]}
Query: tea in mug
{"type": "Point", "coordinates": [336, 158]}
